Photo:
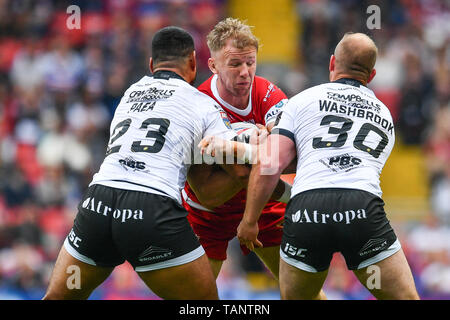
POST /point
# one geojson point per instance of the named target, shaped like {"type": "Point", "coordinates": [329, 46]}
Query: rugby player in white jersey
{"type": "Point", "coordinates": [132, 209]}
{"type": "Point", "coordinates": [342, 135]}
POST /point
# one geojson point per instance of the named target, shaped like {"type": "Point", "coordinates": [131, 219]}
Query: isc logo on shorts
{"type": "Point", "coordinates": [74, 238]}
{"type": "Point", "coordinates": [120, 214]}
{"type": "Point", "coordinates": [315, 217]}
{"type": "Point", "coordinates": [294, 251]}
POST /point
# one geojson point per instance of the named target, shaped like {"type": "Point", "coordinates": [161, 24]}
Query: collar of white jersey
{"type": "Point", "coordinates": [166, 75]}
{"type": "Point", "coordinates": [241, 112]}
{"type": "Point", "coordinates": [355, 83]}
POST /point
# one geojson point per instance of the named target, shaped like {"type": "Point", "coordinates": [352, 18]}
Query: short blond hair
{"type": "Point", "coordinates": [231, 28]}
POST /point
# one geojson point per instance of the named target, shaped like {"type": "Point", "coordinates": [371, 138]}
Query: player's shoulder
{"type": "Point", "coordinates": [205, 86]}
{"type": "Point", "coordinates": [206, 92]}
{"type": "Point", "coordinates": [263, 87]}
{"type": "Point", "coordinates": [204, 102]}
{"type": "Point", "coordinates": [202, 97]}
{"type": "Point", "coordinates": [261, 81]}
{"type": "Point", "coordinates": [265, 92]}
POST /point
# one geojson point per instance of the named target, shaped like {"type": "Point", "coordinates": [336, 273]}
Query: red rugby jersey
{"type": "Point", "coordinates": [266, 101]}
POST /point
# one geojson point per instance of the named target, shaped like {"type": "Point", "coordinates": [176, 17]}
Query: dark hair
{"type": "Point", "coordinates": [171, 44]}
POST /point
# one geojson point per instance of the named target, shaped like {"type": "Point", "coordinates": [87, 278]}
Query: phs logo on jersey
{"type": "Point", "coordinates": [343, 162]}
{"type": "Point", "coordinates": [130, 163]}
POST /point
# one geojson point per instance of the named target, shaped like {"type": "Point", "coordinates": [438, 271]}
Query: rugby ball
{"type": "Point", "coordinates": [244, 130]}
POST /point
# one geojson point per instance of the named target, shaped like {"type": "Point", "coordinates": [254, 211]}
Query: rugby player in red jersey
{"type": "Point", "coordinates": [215, 195]}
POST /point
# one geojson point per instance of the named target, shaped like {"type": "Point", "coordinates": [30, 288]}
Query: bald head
{"type": "Point", "coordinates": [354, 57]}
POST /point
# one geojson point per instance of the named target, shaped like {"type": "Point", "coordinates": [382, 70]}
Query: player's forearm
{"type": "Point", "coordinates": [243, 153]}
{"type": "Point", "coordinates": [229, 152]}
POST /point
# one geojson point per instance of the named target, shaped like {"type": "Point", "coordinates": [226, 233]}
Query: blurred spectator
{"type": "Point", "coordinates": [437, 151]}
{"type": "Point", "coordinates": [415, 103]}
{"type": "Point", "coordinates": [87, 115]}
{"type": "Point", "coordinates": [15, 189]}
{"type": "Point", "coordinates": [26, 71]}
{"type": "Point", "coordinates": [62, 67]}
{"type": "Point", "coordinates": [429, 252]}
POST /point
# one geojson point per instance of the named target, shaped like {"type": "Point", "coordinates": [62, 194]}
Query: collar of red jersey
{"type": "Point", "coordinates": [242, 112]}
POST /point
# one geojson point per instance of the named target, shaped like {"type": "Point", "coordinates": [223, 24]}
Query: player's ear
{"type": "Point", "coordinates": [212, 65]}
{"type": "Point", "coordinates": [150, 64]}
{"type": "Point", "coordinates": [332, 65]}
{"type": "Point", "coordinates": [372, 75]}
{"type": "Point", "coordinates": [193, 62]}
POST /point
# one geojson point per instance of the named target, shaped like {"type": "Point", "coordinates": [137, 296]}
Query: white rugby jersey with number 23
{"type": "Point", "coordinates": [343, 135]}
{"type": "Point", "coordinates": [155, 130]}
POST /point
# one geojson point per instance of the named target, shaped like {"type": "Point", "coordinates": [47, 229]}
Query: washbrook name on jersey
{"type": "Point", "coordinates": [357, 109]}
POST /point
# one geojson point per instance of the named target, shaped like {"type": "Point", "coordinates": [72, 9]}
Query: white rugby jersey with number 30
{"type": "Point", "coordinates": [343, 135]}
{"type": "Point", "coordinates": [155, 132]}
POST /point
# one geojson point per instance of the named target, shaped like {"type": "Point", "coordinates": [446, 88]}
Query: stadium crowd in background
{"type": "Point", "coordinates": [59, 89]}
